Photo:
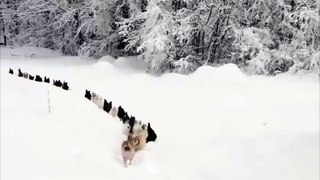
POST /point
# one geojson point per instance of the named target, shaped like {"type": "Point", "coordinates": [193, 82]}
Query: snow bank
{"type": "Point", "coordinates": [224, 73]}
{"type": "Point", "coordinates": [130, 64]}
{"type": "Point", "coordinates": [109, 59]}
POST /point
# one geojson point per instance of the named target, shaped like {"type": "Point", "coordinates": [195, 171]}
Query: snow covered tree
{"type": "Point", "coordinates": [10, 19]}
{"type": "Point", "coordinates": [285, 40]}
{"type": "Point", "coordinates": [30, 22]}
{"type": "Point", "coordinates": [260, 36]}
{"type": "Point", "coordinates": [179, 35]}
{"type": "Point", "coordinates": [149, 32]}
{"type": "Point", "coordinates": [304, 26]}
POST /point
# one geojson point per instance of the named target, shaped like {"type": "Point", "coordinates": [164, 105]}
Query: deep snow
{"type": "Point", "coordinates": [216, 123]}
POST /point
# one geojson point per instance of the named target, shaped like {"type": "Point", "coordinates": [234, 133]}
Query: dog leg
{"type": "Point", "coordinates": [125, 162]}
{"type": "Point", "coordinates": [128, 162]}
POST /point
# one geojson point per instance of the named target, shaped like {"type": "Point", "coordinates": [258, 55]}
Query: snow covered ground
{"type": "Point", "coordinates": [215, 124]}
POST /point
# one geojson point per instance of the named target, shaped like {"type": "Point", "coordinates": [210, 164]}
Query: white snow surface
{"type": "Point", "coordinates": [215, 124]}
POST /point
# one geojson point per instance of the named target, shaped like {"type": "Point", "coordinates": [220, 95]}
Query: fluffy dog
{"type": "Point", "coordinates": [127, 152]}
{"type": "Point", "coordinates": [20, 73]}
{"type": "Point", "coordinates": [88, 95]}
{"type": "Point", "coordinates": [120, 113]}
{"type": "Point", "coordinates": [25, 75]}
{"type": "Point", "coordinates": [47, 80]}
{"type": "Point", "coordinates": [57, 83]}
{"type": "Point", "coordinates": [131, 122]}
{"type": "Point", "coordinates": [31, 77]}
{"type": "Point", "coordinates": [38, 78]}
{"type": "Point", "coordinates": [138, 140]}
{"type": "Point", "coordinates": [65, 86]}
{"type": "Point", "coordinates": [10, 71]}
{"type": "Point", "coordinates": [126, 128]}
{"type": "Point", "coordinates": [100, 102]}
{"type": "Point", "coordinates": [107, 106]}
{"type": "Point", "coordinates": [126, 118]}
{"type": "Point", "coordinates": [114, 111]}
{"type": "Point", "coordinates": [152, 136]}
{"type": "Point", "coordinates": [96, 99]}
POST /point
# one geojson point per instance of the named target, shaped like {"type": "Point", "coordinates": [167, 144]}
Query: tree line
{"type": "Point", "coordinates": [260, 36]}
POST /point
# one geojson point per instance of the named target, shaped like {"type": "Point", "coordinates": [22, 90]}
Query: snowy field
{"type": "Point", "coordinates": [215, 124]}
